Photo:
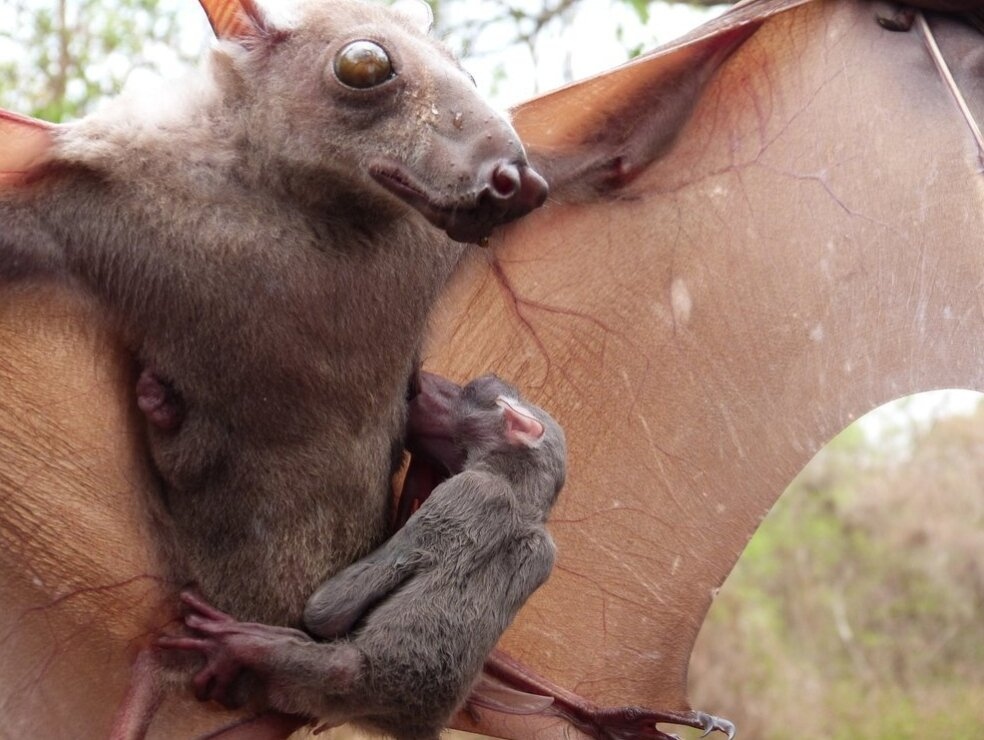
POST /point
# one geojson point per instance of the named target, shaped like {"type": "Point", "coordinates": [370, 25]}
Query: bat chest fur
{"type": "Point", "coordinates": [278, 484]}
{"type": "Point", "coordinates": [290, 346]}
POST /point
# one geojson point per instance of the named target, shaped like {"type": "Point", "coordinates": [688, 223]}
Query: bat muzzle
{"type": "Point", "coordinates": [509, 190]}
{"type": "Point", "coordinates": [503, 191]}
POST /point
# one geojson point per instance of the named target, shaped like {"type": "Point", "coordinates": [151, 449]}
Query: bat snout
{"type": "Point", "coordinates": [507, 190]}
{"type": "Point", "coordinates": [515, 188]}
{"type": "Point", "coordinates": [505, 181]}
{"type": "Point", "coordinates": [502, 191]}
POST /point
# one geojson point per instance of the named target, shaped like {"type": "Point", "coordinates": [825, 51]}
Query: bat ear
{"type": "Point", "coordinates": [417, 12]}
{"type": "Point", "coordinates": [237, 19]}
{"type": "Point", "coordinates": [25, 143]}
{"type": "Point", "coordinates": [522, 428]}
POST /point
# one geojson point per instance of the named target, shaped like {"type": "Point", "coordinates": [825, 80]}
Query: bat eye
{"type": "Point", "coordinates": [363, 64]}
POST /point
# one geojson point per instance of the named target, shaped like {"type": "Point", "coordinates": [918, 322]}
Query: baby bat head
{"type": "Point", "coordinates": [355, 97]}
{"type": "Point", "coordinates": [489, 424]}
{"type": "Point", "coordinates": [496, 425]}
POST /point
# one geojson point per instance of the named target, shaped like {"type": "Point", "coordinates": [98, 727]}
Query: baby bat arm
{"type": "Point", "coordinates": [342, 600]}
{"type": "Point", "coordinates": [535, 567]}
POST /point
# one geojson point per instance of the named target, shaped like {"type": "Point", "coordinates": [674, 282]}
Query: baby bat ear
{"type": "Point", "coordinates": [522, 428]}
{"type": "Point", "coordinates": [25, 143]}
{"type": "Point", "coordinates": [237, 19]}
{"type": "Point", "coordinates": [417, 12]}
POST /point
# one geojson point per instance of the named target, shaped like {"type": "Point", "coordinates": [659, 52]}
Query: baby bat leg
{"type": "Point", "coordinates": [604, 723]}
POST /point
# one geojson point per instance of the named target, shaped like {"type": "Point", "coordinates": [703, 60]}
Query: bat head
{"type": "Point", "coordinates": [356, 97]}
{"type": "Point", "coordinates": [487, 421]}
{"type": "Point", "coordinates": [494, 424]}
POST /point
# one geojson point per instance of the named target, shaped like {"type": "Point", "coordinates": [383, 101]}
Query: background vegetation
{"type": "Point", "coordinates": [856, 611]}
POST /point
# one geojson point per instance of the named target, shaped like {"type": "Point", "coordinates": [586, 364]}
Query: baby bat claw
{"type": "Point", "coordinates": [228, 646]}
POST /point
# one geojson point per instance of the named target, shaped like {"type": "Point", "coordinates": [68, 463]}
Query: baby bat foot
{"type": "Point", "coordinates": [603, 723]}
{"type": "Point", "coordinates": [159, 401]}
{"type": "Point", "coordinates": [229, 647]}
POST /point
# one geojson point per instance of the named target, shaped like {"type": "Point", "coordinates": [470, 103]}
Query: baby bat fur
{"type": "Point", "coordinates": [413, 622]}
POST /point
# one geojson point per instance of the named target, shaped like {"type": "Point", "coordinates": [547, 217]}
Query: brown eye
{"type": "Point", "coordinates": [363, 64]}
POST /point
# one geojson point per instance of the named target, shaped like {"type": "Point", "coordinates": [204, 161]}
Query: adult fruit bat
{"type": "Point", "coordinates": [264, 241]}
{"type": "Point", "coordinates": [239, 244]}
{"type": "Point", "coordinates": [411, 623]}
{"type": "Point", "coordinates": [742, 254]}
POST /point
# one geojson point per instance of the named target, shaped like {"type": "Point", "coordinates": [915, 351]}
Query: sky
{"type": "Point", "coordinates": [593, 39]}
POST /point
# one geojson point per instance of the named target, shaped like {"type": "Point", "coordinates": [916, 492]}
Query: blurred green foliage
{"type": "Point", "coordinates": [857, 610]}
{"type": "Point", "coordinates": [59, 57]}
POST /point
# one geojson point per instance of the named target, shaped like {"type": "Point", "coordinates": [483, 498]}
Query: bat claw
{"type": "Point", "coordinates": [709, 723]}
{"type": "Point", "coordinates": [604, 723]}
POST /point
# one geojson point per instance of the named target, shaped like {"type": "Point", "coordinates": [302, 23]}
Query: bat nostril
{"type": "Point", "coordinates": [505, 181]}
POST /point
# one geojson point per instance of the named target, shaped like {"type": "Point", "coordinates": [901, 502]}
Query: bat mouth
{"type": "Point", "coordinates": [504, 192]}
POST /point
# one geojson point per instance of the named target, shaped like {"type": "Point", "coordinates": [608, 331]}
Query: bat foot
{"type": "Point", "coordinates": [710, 724]}
{"type": "Point", "coordinates": [603, 723]}
{"type": "Point", "coordinates": [230, 648]}
{"type": "Point", "coordinates": [638, 723]}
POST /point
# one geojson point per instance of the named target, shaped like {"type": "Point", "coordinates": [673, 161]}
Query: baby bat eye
{"type": "Point", "coordinates": [363, 64]}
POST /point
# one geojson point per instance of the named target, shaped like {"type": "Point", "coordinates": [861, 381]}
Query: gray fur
{"type": "Point", "coordinates": [426, 608]}
{"type": "Point", "coordinates": [236, 235]}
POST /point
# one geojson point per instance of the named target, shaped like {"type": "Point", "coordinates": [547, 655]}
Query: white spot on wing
{"type": "Point", "coordinates": [680, 301]}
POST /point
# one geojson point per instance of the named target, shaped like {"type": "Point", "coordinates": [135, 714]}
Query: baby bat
{"type": "Point", "coordinates": [413, 622]}
{"type": "Point", "coordinates": [261, 238]}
